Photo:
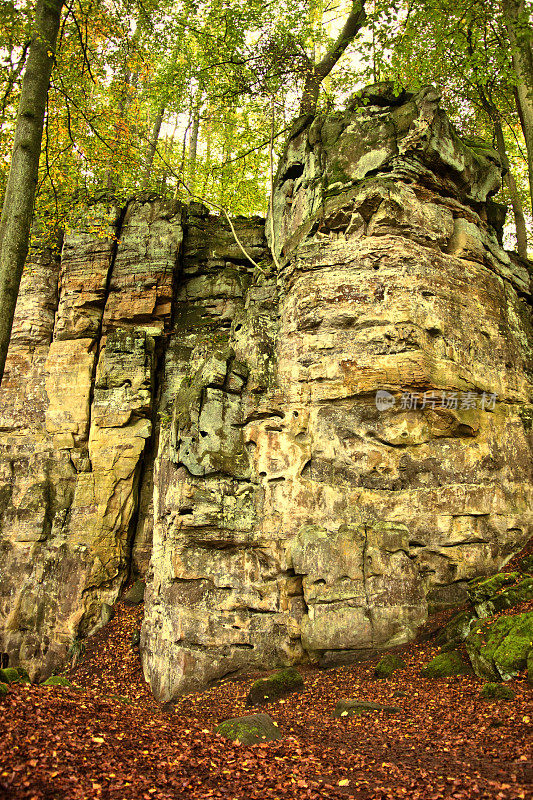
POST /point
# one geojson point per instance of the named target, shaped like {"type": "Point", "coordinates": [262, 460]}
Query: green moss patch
{"type": "Point", "coordinates": [387, 665]}
{"type": "Point", "coordinates": [445, 665]}
{"type": "Point", "coordinates": [56, 680]}
{"type": "Point", "coordinates": [4, 689]}
{"type": "Point", "coordinates": [275, 686]}
{"type": "Point", "coordinates": [252, 729]}
{"type": "Point", "coordinates": [9, 675]}
{"type": "Point", "coordinates": [24, 677]}
{"type": "Point", "coordinates": [500, 648]}
{"type": "Point", "coordinates": [496, 691]}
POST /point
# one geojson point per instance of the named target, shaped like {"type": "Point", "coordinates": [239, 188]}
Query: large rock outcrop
{"type": "Point", "coordinates": [315, 450]}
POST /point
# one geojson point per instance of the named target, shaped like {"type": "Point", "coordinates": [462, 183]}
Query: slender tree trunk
{"type": "Point", "coordinates": [521, 39]}
{"type": "Point", "coordinates": [17, 211]}
{"type": "Point", "coordinates": [11, 81]}
{"type": "Point", "coordinates": [516, 203]}
{"type": "Point", "coordinates": [317, 72]}
{"type": "Point", "coordinates": [169, 141]}
{"type": "Point", "coordinates": [193, 146]}
{"type": "Point", "coordinates": [152, 146]}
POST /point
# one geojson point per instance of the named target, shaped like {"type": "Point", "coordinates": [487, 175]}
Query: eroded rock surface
{"type": "Point", "coordinates": [294, 518]}
{"type": "Point", "coordinates": [164, 396]}
{"type": "Point", "coordinates": [75, 419]}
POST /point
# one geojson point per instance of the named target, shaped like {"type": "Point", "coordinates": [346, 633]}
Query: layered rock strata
{"type": "Point", "coordinates": [294, 518]}
{"type": "Point", "coordinates": [76, 409]}
{"type": "Point", "coordinates": [314, 451]}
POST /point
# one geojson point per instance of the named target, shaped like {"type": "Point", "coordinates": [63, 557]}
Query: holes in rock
{"type": "Point", "coordinates": [294, 172]}
{"type": "Point", "coordinates": [427, 294]}
{"type": "Point", "coordinates": [295, 413]}
{"type": "Point", "coordinates": [203, 433]}
{"type": "Point", "coordinates": [319, 582]}
{"type": "Point", "coordinates": [306, 470]}
{"type": "Point", "coordinates": [376, 266]}
{"type": "Point", "coordinates": [238, 327]}
{"type": "Point", "coordinates": [434, 331]}
{"type": "Point", "coordinates": [185, 511]}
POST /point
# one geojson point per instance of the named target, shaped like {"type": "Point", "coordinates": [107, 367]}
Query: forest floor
{"type": "Point", "coordinates": [110, 739]}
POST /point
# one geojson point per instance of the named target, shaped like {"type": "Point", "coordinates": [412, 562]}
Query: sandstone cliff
{"type": "Point", "coordinates": [171, 411]}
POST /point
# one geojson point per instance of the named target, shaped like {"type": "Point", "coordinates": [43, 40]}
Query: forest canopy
{"type": "Point", "coordinates": [182, 97]}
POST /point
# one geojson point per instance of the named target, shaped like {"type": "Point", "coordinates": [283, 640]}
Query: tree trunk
{"type": "Point", "coordinates": [193, 146]}
{"type": "Point", "coordinates": [516, 203]}
{"type": "Point", "coordinates": [317, 72]}
{"type": "Point", "coordinates": [152, 147]}
{"type": "Point", "coordinates": [17, 211]}
{"type": "Point", "coordinates": [521, 39]}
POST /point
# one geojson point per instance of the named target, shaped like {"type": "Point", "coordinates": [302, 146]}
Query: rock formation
{"type": "Point", "coordinates": [314, 451]}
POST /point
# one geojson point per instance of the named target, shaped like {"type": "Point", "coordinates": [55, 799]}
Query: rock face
{"type": "Point", "coordinates": [76, 409]}
{"type": "Point", "coordinates": [164, 396]}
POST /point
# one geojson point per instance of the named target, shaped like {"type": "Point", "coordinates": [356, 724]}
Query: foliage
{"type": "Point", "coordinates": [179, 97]}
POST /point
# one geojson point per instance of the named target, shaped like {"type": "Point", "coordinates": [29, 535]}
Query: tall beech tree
{"type": "Point", "coordinates": [517, 19]}
{"type": "Point", "coordinates": [17, 210]}
{"type": "Point", "coordinates": [465, 50]}
{"type": "Point", "coordinates": [315, 73]}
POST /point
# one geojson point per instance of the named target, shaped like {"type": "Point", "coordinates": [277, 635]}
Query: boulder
{"type": "Point", "coordinates": [107, 612]}
{"type": "Point", "coordinates": [499, 649]}
{"type": "Point", "coordinates": [252, 729]}
{"type": "Point", "coordinates": [281, 683]}
{"type": "Point", "coordinates": [445, 665]}
{"type": "Point", "coordinates": [56, 680]}
{"type": "Point", "coordinates": [496, 691]}
{"type": "Point", "coordinates": [457, 629]}
{"type": "Point", "coordinates": [525, 564]}
{"type": "Point", "coordinates": [500, 592]}
{"type": "Point", "coordinates": [135, 594]}
{"type": "Point", "coordinates": [354, 708]}
{"type": "Point", "coordinates": [388, 664]}
{"type": "Point", "coordinates": [9, 675]}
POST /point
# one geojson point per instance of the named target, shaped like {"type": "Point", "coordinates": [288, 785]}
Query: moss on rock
{"type": "Point", "coordinates": [9, 675]}
{"type": "Point", "coordinates": [388, 664]}
{"type": "Point", "coordinates": [500, 650]}
{"type": "Point", "coordinates": [277, 685]}
{"type": "Point", "coordinates": [24, 677]}
{"type": "Point", "coordinates": [57, 680]}
{"type": "Point", "coordinates": [445, 665]}
{"type": "Point", "coordinates": [354, 708]}
{"type": "Point", "coordinates": [135, 594]}
{"type": "Point", "coordinates": [496, 691]}
{"type": "Point", "coordinates": [4, 689]}
{"type": "Point", "coordinates": [252, 729]}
